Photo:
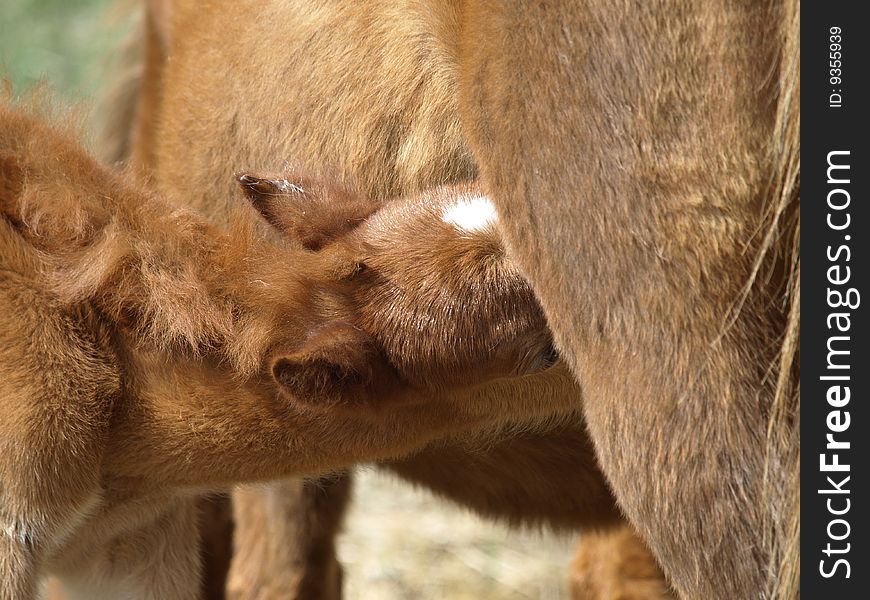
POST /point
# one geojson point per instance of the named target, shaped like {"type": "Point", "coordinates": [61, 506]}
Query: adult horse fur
{"type": "Point", "coordinates": [673, 260]}
{"type": "Point", "coordinates": [644, 160]}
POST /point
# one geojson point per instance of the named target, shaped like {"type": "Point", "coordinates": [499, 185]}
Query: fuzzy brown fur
{"type": "Point", "coordinates": [134, 373]}
{"type": "Point", "coordinates": [645, 163]}
{"type": "Point", "coordinates": [459, 311]}
{"type": "Point", "coordinates": [671, 259]}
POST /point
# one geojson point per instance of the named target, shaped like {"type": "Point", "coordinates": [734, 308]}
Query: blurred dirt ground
{"type": "Point", "coordinates": [402, 544]}
{"type": "Point", "coordinates": [399, 543]}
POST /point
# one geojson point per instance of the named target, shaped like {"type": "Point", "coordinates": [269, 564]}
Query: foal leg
{"type": "Point", "coordinates": [615, 564]}
{"type": "Point", "coordinates": [285, 540]}
{"type": "Point", "coordinates": [56, 388]}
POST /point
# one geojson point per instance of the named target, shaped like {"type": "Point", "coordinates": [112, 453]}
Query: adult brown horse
{"type": "Point", "coordinates": [644, 161]}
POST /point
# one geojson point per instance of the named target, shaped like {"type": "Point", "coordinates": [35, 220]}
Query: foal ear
{"type": "Point", "coordinates": [295, 208]}
{"type": "Point", "coordinates": [277, 200]}
{"type": "Point", "coordinates": [337, 364]}
{"type": "Point", "coordinates": [315, 212]}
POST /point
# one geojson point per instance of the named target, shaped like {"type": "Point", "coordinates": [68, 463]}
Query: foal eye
{"type": "Point", "coordinates": [351, 271]}
{"type": "Point", "coordinates": [549, 357]}
{"type": "Point", "coordinates": [539, 361]}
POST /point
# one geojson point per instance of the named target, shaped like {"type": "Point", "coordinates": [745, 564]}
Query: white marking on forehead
{"type": "Point", "coordinates": [286, 186]}
{"type": "Point", "coordinates": [470, 214]}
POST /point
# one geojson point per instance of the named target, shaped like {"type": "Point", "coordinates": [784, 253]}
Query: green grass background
{"type": "Point", "coordinates": [65, 43]}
